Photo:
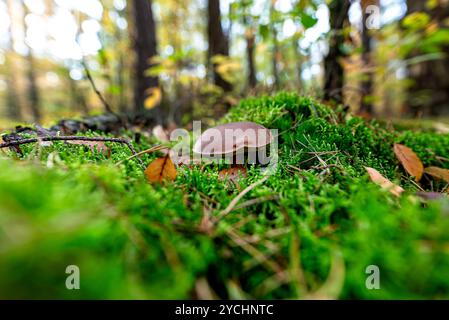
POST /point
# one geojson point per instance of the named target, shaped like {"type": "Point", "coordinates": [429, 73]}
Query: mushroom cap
{"type": "Point", "coordinates": [232, 137]}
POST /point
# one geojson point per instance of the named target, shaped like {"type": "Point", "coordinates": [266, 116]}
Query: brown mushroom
{"type": "Point", "coordinates": [233, 140]}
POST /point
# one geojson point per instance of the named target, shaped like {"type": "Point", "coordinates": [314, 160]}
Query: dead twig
{"type": "Point", "coordinates": [442, 158]}
{"type": "Point", "coordinates": [257, 201]}
{"type": "Point", "coordinates": [94, 87]}
{"type": "Point", "coordinates": [297, 277]}
{"type": "Point", "coordinates": [253, 251]}
{"type": "Point", "coordinates": [417, 185]}
{"type": "Point", "coordinates": [14, 143]}
{"type": "Point", "coordinates": [234, 201]}
{"type": "Point", "coordinates": [294, 168]}
{"type": "Point", "coordinates": [152, 149]}
{"type": "Point", "coordinates": [326, 167]}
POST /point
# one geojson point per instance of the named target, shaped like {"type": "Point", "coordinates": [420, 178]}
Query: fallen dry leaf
{"type": "Point", "coordinates": [160, 170]}
{"type": "Point", "coordinates": [92, 145]}
{"type": "Point", "coordinates": [380, 180]}
{"type": "Point", "coordinates": [439, 173]}
{"type": "Point", "coordinates": [409, 160]}
{"type": "Point", "coordinates": [232, 174]}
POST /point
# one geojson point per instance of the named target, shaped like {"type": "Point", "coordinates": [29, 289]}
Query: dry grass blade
{"type": "Point", "coordinates": [206, 224]}
{"type": "Point", "coordinates": [256, 201]}
{"type": "Point", "coordinates": [380, 180]}
{"type": "Point", "coordinates": [331, 288]}
{"type": "Point", "coordinates": [253, 251]}
{"type": "Point", "coordinates": [298, 279]}
{"type": "Point", "coordinates": [204, 291]}
{"type": "Point", "coordinates": [409, 160]}
{"type": "Point", "coordinates": [234, 201]}
{"type": "Point", "coordinates": [235, 291]}
{"type": "Point", "coordinates": [272, 283]}
{"type": "Point", "coordinates": [152, 149]}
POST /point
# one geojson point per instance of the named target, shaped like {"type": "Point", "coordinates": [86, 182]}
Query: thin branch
{"type": "Point", "coordinates": [75, 138]}
{"type": "Point", "coordinates": [94, 87]}
{"type": "Point", "coordinates": [257, 201]}
{"type": "Point", "coordinates": [417, 185]}
{"type": "Point", "coordinates": [234, 201]}
{"type": "Point", "coordinates": [253, 251]}
{"type": "Point", "coordinates": [152, 149]}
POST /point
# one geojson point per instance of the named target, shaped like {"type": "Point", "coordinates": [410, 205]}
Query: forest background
{"type": "Point", "coordinates": [175, 61]}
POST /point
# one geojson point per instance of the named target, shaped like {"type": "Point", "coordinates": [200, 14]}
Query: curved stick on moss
{"type": "Point", "coordinates": [234, 201]}
{"type": "Point", "coordinates": [152, 149]}
{"type": "Point", "coordinates": [73, 138]}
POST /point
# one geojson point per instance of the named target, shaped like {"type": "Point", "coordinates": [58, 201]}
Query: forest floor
{"type": "Point", "coordinates": [310, 230]}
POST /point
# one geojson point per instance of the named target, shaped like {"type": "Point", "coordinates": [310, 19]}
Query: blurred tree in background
{"type": "Point", "coordinates": [145, 46]}
{"type": "Point", "coordinates": [172, 61]}
{"type": "Point", "coordinates": [32, 89]}
{"type": "Point", "coordinates": [334, 73]}
{"type": "Point", "coordinates": [218, 43]}
{"type": "Point", "coordinates": [429, 91]}
{"type": "Point", "coordinates": [368, 8]}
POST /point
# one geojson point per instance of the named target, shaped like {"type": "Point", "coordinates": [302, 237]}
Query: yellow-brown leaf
{"type": "Point", "coordinates": [380, 180]}
{"type": "Point", "coordinates": [439, 173]}
{"type": "Point", "coordinates": [161, 169]}
{"type": "Point", "coordinates": [154, 97]}
{"type": "Point", "coordinates": [409, 160]}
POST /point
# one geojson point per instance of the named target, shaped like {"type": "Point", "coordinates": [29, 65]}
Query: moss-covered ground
{"type": "Point", "coordinates": [309, 231]}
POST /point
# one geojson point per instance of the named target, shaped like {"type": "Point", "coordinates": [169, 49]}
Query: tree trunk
{"type": "Point", "coordinates": [145, 47]}
{"type": "Point", "coordinates": [250, 47]}
{"type": "Point", "coordinates": [122, 105]}
{"type": "Point", "coordinates": [299, 60]}
{"type": "Point", "coordinates": [429, 93]}
{"type": "Point", "coordinates": [275, 58]}
{"type": "Point", "coordinates": [366, 85]}
{"type": "Point", "coordinates": [334, 73]}
{"type": "Point", "coordinates": [275, 54]}
{"type": "Point", "coordinates": [218, 43]}
{"type": "Point", "coordinates": [33, 91]}
{"type": "Point", "coordinates": [120, 72]}
{"type": "Point", "coordinates": [13, 107]}
{"type": "Point", "coordinates": [13, 101]}
{"type": "Point", "coordinates": [79, 102]}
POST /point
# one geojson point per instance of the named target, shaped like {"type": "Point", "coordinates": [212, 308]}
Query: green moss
{"type": "Point", "coordinates": [65, 205]}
